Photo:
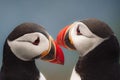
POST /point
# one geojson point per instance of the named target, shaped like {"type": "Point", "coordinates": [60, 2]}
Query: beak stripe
{"type": "Point", "coordinates": [51, 55]}
{"type": "Point", "coordinates": [68, 41]}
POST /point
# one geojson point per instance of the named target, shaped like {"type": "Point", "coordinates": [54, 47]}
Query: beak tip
{"type": "Point", "coordinates": [56, 61]}
{"type": "Point", "coordinates": [61, 63]}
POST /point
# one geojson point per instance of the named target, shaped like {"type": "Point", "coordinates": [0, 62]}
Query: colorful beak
{"type": "Point", "coordinates": [59, 57]}
{"type": "Point", "coordinates": [64, 39]}
{"type": "Point", "coordinates": [61, 37]}
{"type": "Point", "coordinates": [54, 54]}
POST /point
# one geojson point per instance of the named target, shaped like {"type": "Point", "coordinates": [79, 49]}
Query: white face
{"type": "Point", "coordinates": [29, 45]}
{"type": "Point", "coordinates": [86, 41]}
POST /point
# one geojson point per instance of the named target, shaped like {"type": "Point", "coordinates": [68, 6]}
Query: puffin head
{"type": "Point", "coordinates": [84, 35]}
{"type": "Point", "coordinates": [29, 41]}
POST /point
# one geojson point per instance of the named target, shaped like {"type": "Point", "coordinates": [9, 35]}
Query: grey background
{"type": "Point", "coordinates": [54, 15]}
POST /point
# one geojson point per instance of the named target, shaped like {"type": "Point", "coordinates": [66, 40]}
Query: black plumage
{"type": "Point", "coordinates": [98, 27]}
{"type": "Point", "coordinates": [16, 69]}
{"type": "Point", "coordinates": [12, 67]}
{"type": "Point", "coordinates": [98, 48]}
{"type": "Point", "coordinates": [102, 63]}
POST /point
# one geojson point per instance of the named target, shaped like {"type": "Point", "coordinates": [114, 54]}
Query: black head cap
{"type": "Point", "coordinates": [25, 28]}
{"type": "Point", "coordinates": [98, 27]}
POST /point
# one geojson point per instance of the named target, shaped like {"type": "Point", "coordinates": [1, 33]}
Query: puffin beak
{"type": "Point", "coordinates": [59, 57]}
{"type": "Point", "coordinates": [54, 54]}
{"type": "Point", "coordinates": [61, 36]}
{"type": "Point", "coordinates": [64, 39]}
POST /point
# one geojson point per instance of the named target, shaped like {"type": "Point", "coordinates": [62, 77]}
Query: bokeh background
{"type": "Point", "coordinates": [54, 15]}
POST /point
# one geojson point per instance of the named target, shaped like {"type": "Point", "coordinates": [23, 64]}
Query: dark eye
{"type": "Point", "coordinates": [37, 41]}
{"type": "Point", "coordinates": [78, 30]}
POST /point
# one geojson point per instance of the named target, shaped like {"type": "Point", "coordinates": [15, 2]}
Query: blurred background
{"type": "Point", "coordinates": [54, 15]}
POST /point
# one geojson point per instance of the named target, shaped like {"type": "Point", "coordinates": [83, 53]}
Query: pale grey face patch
{"type": "Point", "coordinates": [86, 41]}
{"type": "Point", "coordinates": [23, 48]}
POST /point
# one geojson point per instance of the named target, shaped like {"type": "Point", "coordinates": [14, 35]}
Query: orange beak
{"type": "Point", "coordinates": [59, 58]}
{"type": "Point", "coordinates": [61, 37]}
{"type": "Point", "coordinates": [64, 39]}
{"type": "Point", "coordinates": [54, 54]}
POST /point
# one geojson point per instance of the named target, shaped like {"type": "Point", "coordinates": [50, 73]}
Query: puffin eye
{"type": "Point", "coordinates": [78, 30]}
{"type": "Point", "coordinates": [37, 41]}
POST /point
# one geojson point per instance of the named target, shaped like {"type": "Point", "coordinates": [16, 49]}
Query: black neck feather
{"type": "Point", "coordinates": [16, 69]}
{"type": "Point", "coordinates": [102, 63]}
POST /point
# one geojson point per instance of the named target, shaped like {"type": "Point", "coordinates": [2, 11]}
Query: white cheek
{"type": "Point", "coordinates": [86, 42]}
{"type": "Point", "coordinates": [26, 51]}
{"type": "Point", "coordinates": [44, 43]}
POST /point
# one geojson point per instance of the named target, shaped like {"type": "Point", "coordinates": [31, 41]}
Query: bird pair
{"type": "Point", "coordinates": [93, 39]}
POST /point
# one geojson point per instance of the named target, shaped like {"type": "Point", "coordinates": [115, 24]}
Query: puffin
{"type": "Point", "coordinates": [26, 43]}
{"type": "Point", "coordinates": [97, 47]}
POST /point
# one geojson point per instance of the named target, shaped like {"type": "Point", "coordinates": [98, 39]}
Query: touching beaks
{"type": "Point", "coordinates": [64, 39]}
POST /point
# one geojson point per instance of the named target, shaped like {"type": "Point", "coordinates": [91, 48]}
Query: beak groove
{"type": "Point", "coordinates": [64, 39]}
{"type": "Point", "coordinates": [61, 36]}
{"type": "Point", "coordinates": [54, 54]}
{"type": "Point", "coordinates": [59, 57]}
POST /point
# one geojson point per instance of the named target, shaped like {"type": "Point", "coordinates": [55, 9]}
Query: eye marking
{"type": "Point", "coordinates": [36, 42]}
{"type": "Point", "coordinates": [78, 30]}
